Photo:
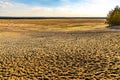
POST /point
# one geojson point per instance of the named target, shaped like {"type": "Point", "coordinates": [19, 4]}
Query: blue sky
{"type": "Point", "coordinates": [40, 2]}
{"type": "Point", "coordinates": [48, 3]}
{"type": "Point", "coordinates": [57, 8]}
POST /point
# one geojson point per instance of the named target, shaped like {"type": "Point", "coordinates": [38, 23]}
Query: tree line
{"type": "Point", "coordinates": [113, 17]}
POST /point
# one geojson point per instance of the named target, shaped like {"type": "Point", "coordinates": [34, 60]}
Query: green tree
{"type": "Point", "coordinates": [113, 18]}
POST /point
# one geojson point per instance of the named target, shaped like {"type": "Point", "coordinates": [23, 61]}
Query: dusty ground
{"type": "Point", "coordinates": [59, 50]}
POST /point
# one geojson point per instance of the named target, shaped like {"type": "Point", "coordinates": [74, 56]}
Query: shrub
{"type": "Point", "coordinates": [113, 18]}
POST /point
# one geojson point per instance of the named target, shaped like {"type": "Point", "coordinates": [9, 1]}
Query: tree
{"type": "Point", "coordinates": [113, 17]}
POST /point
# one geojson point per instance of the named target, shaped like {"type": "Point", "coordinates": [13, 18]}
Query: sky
{"type": "Point", "coordinates": [57, 8]}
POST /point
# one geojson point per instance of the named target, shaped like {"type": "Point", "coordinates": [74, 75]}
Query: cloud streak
{"type": "Point", "coordinates": [67, 8]}
{"type": "Point", "coordinates": [4, 4]}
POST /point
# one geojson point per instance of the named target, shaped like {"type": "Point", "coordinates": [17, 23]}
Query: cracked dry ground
{"type": "Point", "coordinates": [80, 55]}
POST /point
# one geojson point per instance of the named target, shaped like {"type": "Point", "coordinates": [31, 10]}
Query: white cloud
{"type": "Point", "coordinates": [4, 4]}
{"type": "Point", "coordinates": [88, 8]}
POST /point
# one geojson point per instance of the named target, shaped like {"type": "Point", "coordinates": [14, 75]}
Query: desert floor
{"type": "Point", "coordinates": [59, 49]}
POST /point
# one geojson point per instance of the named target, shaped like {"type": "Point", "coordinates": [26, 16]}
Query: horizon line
{"type": "Point", "coordinates": [45, 17]}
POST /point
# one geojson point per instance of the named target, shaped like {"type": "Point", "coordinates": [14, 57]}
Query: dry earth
{"type": "Point", "coordinates": [59, 50]}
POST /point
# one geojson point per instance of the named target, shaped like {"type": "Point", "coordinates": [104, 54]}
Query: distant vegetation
{"type": "Point", "coordinates": [113, 18]}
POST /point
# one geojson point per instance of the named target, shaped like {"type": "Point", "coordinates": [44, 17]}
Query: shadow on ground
{"type": "Point", "coordinates": [113, 27]}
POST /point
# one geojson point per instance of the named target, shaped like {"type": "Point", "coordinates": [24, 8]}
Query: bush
{"type": "Point", "coordinates": [113, 18]}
